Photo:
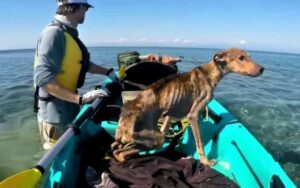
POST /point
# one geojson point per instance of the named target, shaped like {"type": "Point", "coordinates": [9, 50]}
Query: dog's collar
{"type": "Point", "coordinates": [220, 66]}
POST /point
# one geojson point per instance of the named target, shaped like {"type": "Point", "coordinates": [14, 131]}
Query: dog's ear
{"type": "Point", "coordinates": [219, 57]}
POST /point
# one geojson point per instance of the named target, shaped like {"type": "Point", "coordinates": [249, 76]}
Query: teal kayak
{"type": "Point", "coordinates": [239, 155]}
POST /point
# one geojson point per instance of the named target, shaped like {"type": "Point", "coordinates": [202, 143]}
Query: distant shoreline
{"type": "Point", "coordinates": [201, 48]}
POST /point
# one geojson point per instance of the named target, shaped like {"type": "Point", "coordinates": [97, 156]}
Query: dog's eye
{"type": "Point", "coordinates": [241, 58]}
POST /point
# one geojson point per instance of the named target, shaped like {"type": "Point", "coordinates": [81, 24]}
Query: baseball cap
{"type": "Point", "coordinates": [63, 2]}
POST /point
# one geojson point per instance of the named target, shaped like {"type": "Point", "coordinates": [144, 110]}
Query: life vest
{"type": "Point", "coordinates": [69, 76]}
{"type": "Point", "coordinates": [74, 66]}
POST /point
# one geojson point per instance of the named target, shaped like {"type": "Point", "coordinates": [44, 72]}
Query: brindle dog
{"type": "Point", "coordinates": [178, 96]}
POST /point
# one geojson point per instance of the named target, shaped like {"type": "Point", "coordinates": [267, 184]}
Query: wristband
{"type": "Point", "coordinates": [80, 100]}
{"type": "Point", "coordinates": [109, 71]}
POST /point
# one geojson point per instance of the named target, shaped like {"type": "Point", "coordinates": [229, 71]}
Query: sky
{"type": "Point", "coordinates": [262, 25]}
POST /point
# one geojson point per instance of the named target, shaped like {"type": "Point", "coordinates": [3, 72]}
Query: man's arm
{"type": "Point", "coordinates": [58, 91]}
{"type": "Point", "coordinates": [55, 89]}
{"type": "Point", "coordinates": [97, 69]}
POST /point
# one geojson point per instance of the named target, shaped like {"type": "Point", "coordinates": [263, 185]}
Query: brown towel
{"type": "Point", "coordinates": [156, 171]}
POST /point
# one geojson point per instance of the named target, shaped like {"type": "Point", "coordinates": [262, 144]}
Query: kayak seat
{"type": "Point", "coordinates": [112, 113]}
{"type": "Point", "coordinates": [146, 73]}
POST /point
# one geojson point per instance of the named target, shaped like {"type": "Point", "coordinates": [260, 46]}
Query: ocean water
{"type": "Point", "coordinates": [269, 105]}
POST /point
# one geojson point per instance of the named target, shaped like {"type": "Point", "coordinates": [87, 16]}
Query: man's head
{"type": "Point", "coordinates": [65, 2]}
{"type": "Point", "coordinates": [76, 8]}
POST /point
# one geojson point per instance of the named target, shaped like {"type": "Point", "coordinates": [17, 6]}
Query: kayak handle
{"type": "Point", "coordinates": [233, 142]}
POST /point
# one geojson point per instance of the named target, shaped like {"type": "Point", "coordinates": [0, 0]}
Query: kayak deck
{"type": "Point", "coordinates": [239, 155]}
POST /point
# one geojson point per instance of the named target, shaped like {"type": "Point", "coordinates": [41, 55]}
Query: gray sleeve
{"type": "Point", "coordinates": [50, 54]}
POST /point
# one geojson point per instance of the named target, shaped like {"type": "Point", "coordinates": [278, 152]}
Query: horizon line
{"type": "Point", "coordinates": [203, 48]}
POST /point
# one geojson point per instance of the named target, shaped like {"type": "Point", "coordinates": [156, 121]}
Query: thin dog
{"type": "Point", "coordinates": [178, 96]}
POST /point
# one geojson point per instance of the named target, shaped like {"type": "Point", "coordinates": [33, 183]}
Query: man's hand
{"type": "Point", "coordinates": [163, 59]}
{"type": "Point", "coordinates": [112, 75]}
{"type": "Point", "coordinates": [92, 95]}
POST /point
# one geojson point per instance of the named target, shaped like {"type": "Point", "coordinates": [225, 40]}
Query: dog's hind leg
{"type": "Point", "coordinates": [165, 127]}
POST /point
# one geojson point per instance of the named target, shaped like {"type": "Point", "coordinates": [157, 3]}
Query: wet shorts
{"type": "Point", "coordinates": [50, 133]}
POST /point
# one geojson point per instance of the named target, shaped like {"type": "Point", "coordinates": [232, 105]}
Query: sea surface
{"type": "Point", "coordinates": [269, 105]}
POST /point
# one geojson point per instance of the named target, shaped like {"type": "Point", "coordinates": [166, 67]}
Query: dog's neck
{"type": "Point", "coordinates": [214, 73]}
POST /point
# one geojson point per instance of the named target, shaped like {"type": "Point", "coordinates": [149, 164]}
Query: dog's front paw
{"type": "Point", "coordinates": [119, 156]}
{"type": "Point", "coordinates": [207, 162]}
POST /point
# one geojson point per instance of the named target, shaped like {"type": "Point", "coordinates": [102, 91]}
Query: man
{"type": "Point", "coordinates": [61, 62]}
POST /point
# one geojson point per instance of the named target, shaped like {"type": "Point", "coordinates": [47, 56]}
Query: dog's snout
{"type": "Point", "coordinates": [261, 70]}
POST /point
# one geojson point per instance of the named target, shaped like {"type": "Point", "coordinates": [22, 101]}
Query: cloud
{"type": "Point", "coordinates": [146, 41]}
{"type": "Point", "coordinates": [187, 41]}
{"type": "Point", "coordinates": [176, 40]}
{"type": "Point", "coordinates": [243, 42]}
{"type": "Point", "coordinates": [161, 41]}
{"type": "Point", "coordinates": [142, 39]}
